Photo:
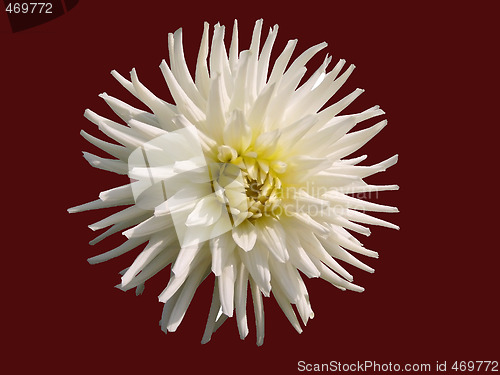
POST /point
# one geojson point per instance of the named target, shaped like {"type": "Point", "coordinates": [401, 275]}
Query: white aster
{"type": "Point", "coordinates": [245, 177]}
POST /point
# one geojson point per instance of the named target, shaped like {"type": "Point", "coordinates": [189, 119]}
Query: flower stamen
{"type": "Point", "coordinates": [257, 180]}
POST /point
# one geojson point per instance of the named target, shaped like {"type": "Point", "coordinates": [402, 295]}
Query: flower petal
{"type": "Point", "coordinates": [206, 212]}
{"type": "Point", "coordinates": [245, 235]}
{"type": "Point", "coordinates": [240, 300]}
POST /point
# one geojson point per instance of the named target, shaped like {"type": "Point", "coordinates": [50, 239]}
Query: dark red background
{"type": "Point", "coordinates": [433, 294]}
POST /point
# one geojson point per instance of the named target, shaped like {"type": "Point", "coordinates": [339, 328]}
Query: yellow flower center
{"type": "Point", "coordinates": [249, 185]}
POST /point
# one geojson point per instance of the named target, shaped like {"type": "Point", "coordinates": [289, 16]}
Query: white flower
{"type": "Point", "coordinates": [245, 177]}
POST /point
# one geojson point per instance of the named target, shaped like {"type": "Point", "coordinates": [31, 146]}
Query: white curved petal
{"type": "Point", "coordinates": [212, 315]}
{"type": "Point", "coordinates": [245, 235]}
{"type": "Point", "coordinates": [221, 247]}
{"type": "Point", "coordinates": [259, 311]}
{"type": "Point", "coordinates": [240, 300]}
{"type": "Point", "coordinates": [227, 281]}
{"type": "Point", "coordinates": [206, 212]}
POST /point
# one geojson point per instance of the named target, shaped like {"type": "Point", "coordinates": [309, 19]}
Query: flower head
{"type": "Point", "coordinates": [245, 177]}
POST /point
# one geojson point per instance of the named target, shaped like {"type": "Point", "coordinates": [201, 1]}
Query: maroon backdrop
{"type": "Point", "coordinates": [432, 295]}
